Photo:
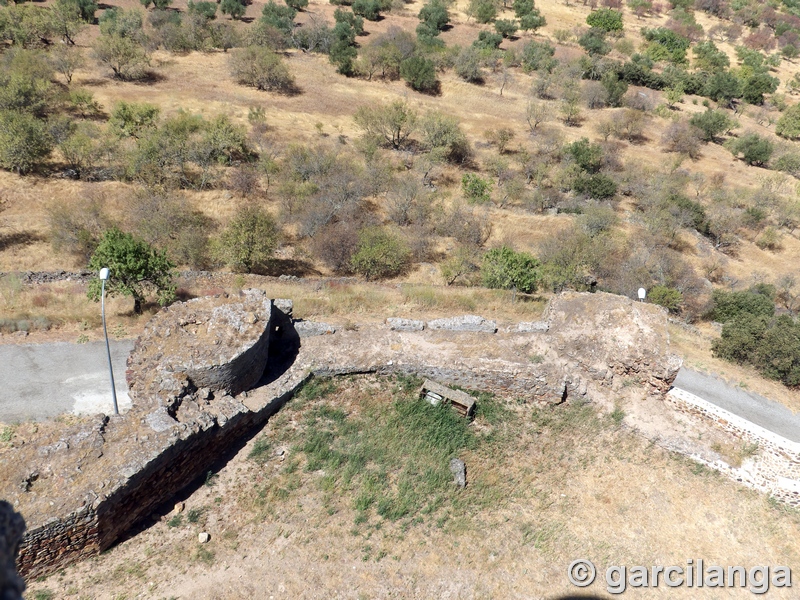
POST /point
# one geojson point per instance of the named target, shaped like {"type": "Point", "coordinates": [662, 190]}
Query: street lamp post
{"type": "Point", "coordinates": [104, 273]}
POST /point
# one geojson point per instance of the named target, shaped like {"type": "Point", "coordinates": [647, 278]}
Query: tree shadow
{"type": "Point", "coordinates": [287, 266]}
{"type": "Point", "coordinates": [149, 78]}
{"type": "Point", "coordinates": [18, 238]}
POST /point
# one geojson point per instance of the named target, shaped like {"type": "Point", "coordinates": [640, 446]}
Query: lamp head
{"type": "Point", "coordinates": [104, 273]}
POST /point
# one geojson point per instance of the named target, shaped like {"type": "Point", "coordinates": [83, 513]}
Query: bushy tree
{"type": "Point", "coordinates": [24, 141]}
{"type": "Point", "coordinates": [587, 156]}
{"type": "Point", "coordinates": [247, 243]}
{"type": "Point", "coordinates": [488, 40]}
{"type": "Point", "coordinates": [25, 81]}
{"type": "Point", "coordinates": [391, 123]}
{"type": "Point", "coordinates": [756, 86]}
{"type": "Point", "coordinates": [369, 9]}
{"type": "Point", "coordinates": [503, 268]}
{"type": "Point", "coordinates": [379, 254]}
{"type": "Point", "coordinates": [298, 5]}
{"type": "Point", "coordinates": [135, 269]}
{"type": "Point", "coordinates": [234, 8]}
{"type": "Point", "coordinates": [607, 19]}
{"type": "Point", "coordinates": [530, 19]}
{"type": "Point", "coordinates": [666, 45]}
{"type": "Point", "coordinates": [442, 135]}
{"type": "Point", "coordinates": [278, 16]}
{"type": "Point", "coordinates": [753, 149]}
{"type": "Point", "coordinates": [420, 73]}
{"type": "Point", "coordinates": [158, 4]}
{"type": "Point", "coordinates": [594, 42]}
{"type": "Point", "coordinates": [123, 55]}
{"type": "Point", "coordinates": [261, 68]}
{"type": "Point", "coordinates": [468, 65]}
{"type": "Point", "coordinates": [595, 185]}
{"type": "Point", "coordinates": [538, 56]}
{"type": "Point", "coordinates": [723, 87]}
{"type": "Point", "coordinates": [484, 11]}
{"type": "Point", "coordinates": [712, 123]}
{"type": "Point", "coordinates": [505, 27]}
{"type": "Point", "coordinates": [434, 14]}
{"type": "Point", "coordinates": [788, 125]}
{"type": "Point", "coordinates": [710, 58]}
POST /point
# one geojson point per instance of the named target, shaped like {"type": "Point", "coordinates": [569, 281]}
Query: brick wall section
{"type": "Point", "coordinates": [775, 469]}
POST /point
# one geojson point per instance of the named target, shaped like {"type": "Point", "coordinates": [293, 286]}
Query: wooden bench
{"type": "Point", "coordinates": [435, 393]}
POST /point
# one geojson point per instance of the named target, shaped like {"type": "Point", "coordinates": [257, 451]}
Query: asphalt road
{"type": "Point", "coordinates": [41, 381]}
{"type": "Point", "coordinates": [768, 414]}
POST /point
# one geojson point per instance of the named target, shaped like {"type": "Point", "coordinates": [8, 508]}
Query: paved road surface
{"type": "Point", "coordinates": [768, 414]}
{"type": "Point", "coordinates": [41, 381]}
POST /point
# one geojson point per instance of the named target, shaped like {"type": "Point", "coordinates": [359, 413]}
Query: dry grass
{"type": "Point", "coordinates": [545, 487]}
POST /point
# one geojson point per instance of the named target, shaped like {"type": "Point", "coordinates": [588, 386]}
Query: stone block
{"type": "Point", "coordinates": [397, 324]}
{"type": "Point", "coordinates": [459, 471]}
{"type": "Point", "coordinates": [531, 327]}
{"type": "Point", "coordinates": [312, 328]}
{"type": "Point", "coordinates": [464, 323]}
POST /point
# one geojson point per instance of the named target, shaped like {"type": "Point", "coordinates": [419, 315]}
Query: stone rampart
{"type": "Point", "coordinates": [83, 490]}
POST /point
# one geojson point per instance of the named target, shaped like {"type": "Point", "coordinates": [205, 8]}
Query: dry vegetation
{"type": "Point", "coordinates": [312, 506]}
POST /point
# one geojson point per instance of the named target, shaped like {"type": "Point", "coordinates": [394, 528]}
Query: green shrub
{"type": "Point", "coordinates": [668, 297]}
{"type": "Point", "coordinates": [278, 16]}
{"type": "Point", "coordinates": [586, 155]}
{"type": "Point", "coordinates": [594, 42]}
{"type": "Point", "coordinates": [753, 149]}
{"type": "Point", "coordinates": [505, 27]}
{"type": "Point", "coordinates": [538, 56]}
{"type": "Point", "coordinates": [434, 14]}
{"type": "Point", "coordinates": [369, 9]}
{"type": "Point", "coordinates": [248, 242]}
{"type": "Point", "coordinates": [24, 141]}
{"type": "Point", "coordinates": [420, 73]}
{"type": "Point", "coordinates": [606, 19]}
{"type": "Point", "coordinates": [730, 305]}
{"type": "Point", "coordinates": [484, 11]}
{"type": "Point", "coordinates": [788, 125]}
{"type": "Point", "coordinates": [595, 185]}
{"type": "Point", "coordinates": [261, 68]}
{"type": "Point", "coordinates": [135, 267]}
{"type": "Point", "coordinates": [712, 123]}
{"type": "Point", "coordinates": [234, 8]}
{"type": "Point", "coordinates": [379, 254]}
{"type": "Point", "coordinates": [488, 41]}
{"type": "Point", "coordinates": [503, 268]}
{"type": "Point", "coordinates": [475, 188]}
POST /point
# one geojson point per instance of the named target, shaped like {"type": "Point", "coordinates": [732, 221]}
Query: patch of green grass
{"type": "Point", "coordinates": [316, 388]}
{"type": "Point", "coordinates": [175, 521]}
{"type": "Point", "coordinates": [617, 415]}
{"type": "Point", "coordinates": [261, 450]}
{"type": "Point", "coordinates": [390, 457]}
{"type": "Point", "coordinates": [194, 514]}
{"type": "Point", "coordinates": [211, 479]}
{"type": "Point", "coordinates": [6, 433]}
{"type": "Point", "coordinates": [43, 595]}
{"type": "Point", "coordinates": [204, 555]}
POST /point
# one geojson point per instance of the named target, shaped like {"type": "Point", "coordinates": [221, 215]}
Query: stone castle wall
{"type": "Point", "coordinates": [132, 464]}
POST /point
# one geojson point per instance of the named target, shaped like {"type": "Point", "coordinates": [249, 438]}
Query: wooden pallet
{"type": "Point", "coordinates": [436, 393]}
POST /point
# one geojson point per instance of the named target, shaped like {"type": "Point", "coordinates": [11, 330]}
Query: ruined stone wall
{"type": "Point", "coordinates": [774, 469]}
{"type": "Point", "coordinates": [128, 465]}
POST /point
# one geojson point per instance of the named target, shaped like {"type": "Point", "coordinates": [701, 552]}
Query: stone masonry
{"type": "Point", "coordinates": [81, 489]}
